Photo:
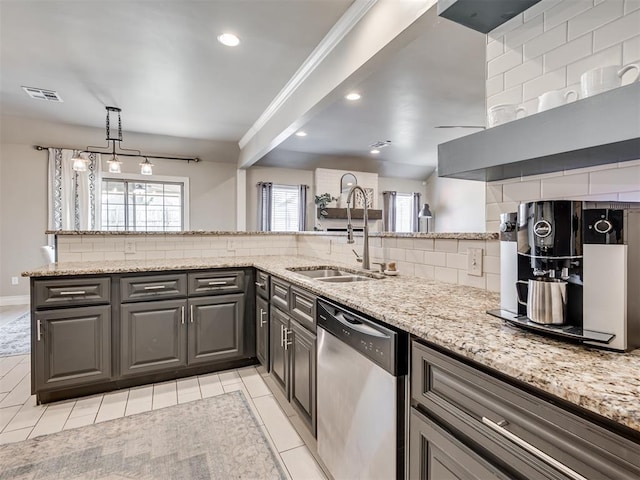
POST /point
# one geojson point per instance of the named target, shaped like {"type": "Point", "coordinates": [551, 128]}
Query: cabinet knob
{"type": "Point", "coordinates": [260, 285]}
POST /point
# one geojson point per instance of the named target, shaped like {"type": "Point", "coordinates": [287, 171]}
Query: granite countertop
{"type": "Point", "coordinates": [444, 235]}
{"type": "Point", "coordinates": [453, 317]}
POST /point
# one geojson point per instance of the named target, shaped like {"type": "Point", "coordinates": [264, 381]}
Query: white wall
{"type": "Point", "coordinates": [548, 47]}
{"type": "Point", "coordinates": [23, 185]}
{"type": "Point", "coordinates": [457, 205]}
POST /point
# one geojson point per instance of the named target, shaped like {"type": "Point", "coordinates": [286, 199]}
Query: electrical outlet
{"type": "Point", "coordinates": [329, 247]}
{"type": "Point", "coordinates": [129, 245]}
{"type": "Point", "coordinates": [14, 280]}
{"type": "Point", "coordinates": [474, 262]}
{"type": "Point", "coordinates": [231, 245]}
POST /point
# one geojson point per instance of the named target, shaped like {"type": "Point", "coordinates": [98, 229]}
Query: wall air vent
{"type": "Point", "coordinates": [42, 94]}
{"type": "Point", "coordinates": [380, 144]}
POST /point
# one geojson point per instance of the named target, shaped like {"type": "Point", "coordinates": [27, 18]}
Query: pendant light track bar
{"type": "Point", "coordinates": [120, 154]}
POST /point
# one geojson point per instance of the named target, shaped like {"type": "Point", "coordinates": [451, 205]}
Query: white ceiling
{"type": "Point", "coordinates": [157, 60]}
{"type": "Point", "coordinates": [161, 63]}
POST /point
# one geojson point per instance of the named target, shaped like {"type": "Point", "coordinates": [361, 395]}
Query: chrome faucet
{"type": "Point", "coordinates": [365, 248]}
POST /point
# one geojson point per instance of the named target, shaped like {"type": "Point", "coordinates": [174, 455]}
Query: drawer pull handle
{"type": "Point", "coordinates": [549, 460]}
{"type": "Point", "coordinates": [260, 285]}
{"type": "Point", "coordinates": [191, 313]}
{"type": "Point", "coordinates": [155, 287]}
{"type": "Point", "coordinates": [218, 283]}
{"type": "Point", "coordinates": [39, 328]}
{"type": "Point", "coordinates": [73, 292]}
{"type": "Point", "coordinates": [262, 314]}
{"type": "Point", "coordinates": [282, 335]}
{"type": "Point", "coordinates": [182, 314]}
{"type": "Point", "coordinates": [287, 331]}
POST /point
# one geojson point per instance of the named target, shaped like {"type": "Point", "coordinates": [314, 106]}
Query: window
{"type": "Point", "coordinates": [404, 212]}
{"type": "Point", "coordinates": [281, 208]}
{"type": "Point", "coordinates": [139, 205]}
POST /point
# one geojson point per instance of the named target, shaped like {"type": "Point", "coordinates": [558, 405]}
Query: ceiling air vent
{"type": "Point", "coordinates": [42, 94]}
{"type": "Point", "coordinates": [380, 144]}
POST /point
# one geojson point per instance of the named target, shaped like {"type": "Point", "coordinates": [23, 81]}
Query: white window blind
{"type": "Point", "coordinates": [285, 208]}
{"type": "Point", "coordinates": [404, 212]}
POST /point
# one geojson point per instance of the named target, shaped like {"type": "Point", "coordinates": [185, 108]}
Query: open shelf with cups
{"type": "Point", "coordinates": [597, 130]}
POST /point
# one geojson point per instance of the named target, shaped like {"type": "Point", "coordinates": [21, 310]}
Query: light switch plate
{"type": "Point", "coordinates": [129, 245]}
{"type": "Point", "coordinates": [474, 262]}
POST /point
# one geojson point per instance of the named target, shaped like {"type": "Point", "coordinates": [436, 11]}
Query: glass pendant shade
{"type": "Point", "coordinates": [146, 167]}
{"type": "Point", "coordinates": [114, 165]}
{"type": "Point", "coordinates": [80, 164]}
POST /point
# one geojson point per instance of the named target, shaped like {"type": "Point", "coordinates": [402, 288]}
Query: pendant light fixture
{"type": "Point", "coordinates": [80, 163]}
{"type": "Point", "coordinates": [115, 165]}
{"type": "Point", "coordinates": [146, 167]}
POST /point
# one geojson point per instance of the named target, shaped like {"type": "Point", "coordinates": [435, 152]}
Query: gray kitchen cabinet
{"type": "Point", "coordinates": [216, 282]}
{"type": "Point", "coordinates": [144, 288]}
{"type": "Point", "coordinates": [215, 328]}
{"type": "Point", "coordinates": [280, 294]}
{"type": "Point", "coordinates": [262, 331]}
{"type": "Point", "coordinates": [302, 376]}
{"type": "Point", "coordinates": [263, 284]}
{"type": "Point", "coordinates": [278, 353]}
{"type": "Point", "coordinates": [72, 292]}
{"type": "Point", "coordinates": [72, 346]}
{"type": "Point", "coordinates": [522, 432]}
{"type": "Point", "coordinates": [153, 336]}
{"type": "Point", "coordinates": [435, 454]}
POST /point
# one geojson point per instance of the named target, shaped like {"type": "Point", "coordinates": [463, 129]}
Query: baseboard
{"type": "Point", "coordinates": [14, 300]}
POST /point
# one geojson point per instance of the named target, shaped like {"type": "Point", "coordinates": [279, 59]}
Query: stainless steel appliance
{"type": "Point", "coordinates": [362, 368]}
{"type": "Point", "coordinates": [580, 265]}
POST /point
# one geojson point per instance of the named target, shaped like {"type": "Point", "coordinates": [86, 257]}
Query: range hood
{"type": "Point", "coordinates": [598, 130]}
{"type": "Point", "coordinates": [482, 15]}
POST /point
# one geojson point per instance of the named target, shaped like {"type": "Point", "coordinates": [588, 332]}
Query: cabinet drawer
{"type": "Point", "coordinates": [262, 284]}
{"type": "Point", "coordinates": [302, 307]}
{"type": "Point", "coordinates": [509, 421]}
{"type": "Point", "coordinates": [217, 282]}
{"type": "Point", "coordinates": [72, 292]}
{"type": "Point", "coordinates": [280, 294]}
{"type": "Point", "coordinates": [153, 287]}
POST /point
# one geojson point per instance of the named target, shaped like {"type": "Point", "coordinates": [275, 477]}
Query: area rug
{"type": "Point", "coordinates": [15, 337]}
{"type": "Point", "coordinates": [214, 438]}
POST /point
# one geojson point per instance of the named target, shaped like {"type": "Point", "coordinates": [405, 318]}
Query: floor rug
{"type": "Point", "coordinates": [15, 337]}
{"type": "Point", "coordinates": [213, 438]}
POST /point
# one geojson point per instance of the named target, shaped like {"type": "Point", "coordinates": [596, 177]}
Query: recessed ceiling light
{"type": "Point", "coordinates": [353, 96]}
{"type": "Point", "coordinates": [301, 134]}
{"type": "Point", "coordinates": [375, 151]}
{"type": "Point", "coordinates": [229, 39]}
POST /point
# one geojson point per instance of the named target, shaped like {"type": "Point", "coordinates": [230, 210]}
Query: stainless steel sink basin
{"type": "Point", "coordinates": [323, 273]}
{"type": "Point", "coordinates": [345, 279]}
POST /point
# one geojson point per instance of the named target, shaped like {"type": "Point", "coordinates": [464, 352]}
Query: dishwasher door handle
{"type": "Point", "coordinates": [358, 326]}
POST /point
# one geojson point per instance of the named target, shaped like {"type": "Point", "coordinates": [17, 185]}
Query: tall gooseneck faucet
{"type": "Point", "coordinates": [365, 248]}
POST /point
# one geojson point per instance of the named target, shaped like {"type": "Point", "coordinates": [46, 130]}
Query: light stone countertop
{"type": "Point", "coordinates": [451, 316]}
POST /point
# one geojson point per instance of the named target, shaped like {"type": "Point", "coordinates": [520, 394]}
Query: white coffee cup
{"type": "Point", "coordinates": [602, 79]}
{"type": "Point", "coordinates": [555, 98]}
{"type": "Point", "coordinates": [499, 114]}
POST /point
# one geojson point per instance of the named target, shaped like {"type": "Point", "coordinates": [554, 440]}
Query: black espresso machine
{"type": "Point", "coordinates": [572, 269]}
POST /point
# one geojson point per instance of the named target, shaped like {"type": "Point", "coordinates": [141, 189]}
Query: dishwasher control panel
{"type": "Point", "coordinates": [369, 338]}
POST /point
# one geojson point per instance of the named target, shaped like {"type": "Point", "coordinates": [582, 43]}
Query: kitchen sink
{"type": "Point", "coordinates": [334, 274]}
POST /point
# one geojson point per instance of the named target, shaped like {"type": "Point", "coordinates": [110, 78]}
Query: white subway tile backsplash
{"type": "Point", "coordinates": [495, 49]}
{"type": "Point", "coordinates": [396, 254]}
{"type": "Point", "coordinates": [568, 53]}
{"type": "Point", "coordinates": [424, 271]}
{"type": "Point", "coordinates": [629, 196]}
{"type": "Point", "coordinates": [610, 56]}
{"type": "Point", "coordinates": [513, 95]}
{"type": "Point", "coordinates": [506, 27]}
{"type": "Point", "coordinates": [444, 274]}
{"type": "Point", "coordinates": [595, 17]}
{"type": "Point", "coordinates": [523, 33]}
{"type": "Point", "coordinates": [492, 225]}
{"type": "Point", "coordinates": [527, 191]}
{"type": "Point", "coordinates": [471, 280]}
{"type": "Point", "coordinates": [493, 248]}
{"type": "Point", "coordinates": [631, 5]}
{"type": "Point", "coordinates": [564, 11]}
{"type": "Point", "coordinates": [423, 243]}
{"type": "Point", "coordinates": [494, 193]}
{"type": "Point", "coordinates": [617, 31]}
{"type": "Point", "coordinates": [523, 72]}
{"type": "Point", "coordinates": [446, 245]}
{"type": "Point", "coordinates": [457, 260]}
{"type": "Point", "coordinates": [546, 42]}
{"type": "Point", "coordinates": [539, 8]}
{"type": "Point", "coordinates": [493, 282]}
{"type": "Point", "coordinates": [495, 85]}
{"type": "Point", "coordinates": [435, 258]}
{"type": "Point", "coordinates": [504, 62]}
{"type": "Point", "coordinates": [565, 186]}
{"type": "Point", "coordinates": [550, 81]}
{"type": "Point", "coordinates": [615, 180]}
{"type": "Point", "coordinates": [631, 50]}
{"type": "Point", "coordinates": [414, 256]}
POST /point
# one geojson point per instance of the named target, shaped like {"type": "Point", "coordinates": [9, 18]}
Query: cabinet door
{"type": "Point", "coordinates": [279, 357]}
{"type": "Point", "coordinates": [152, 336]}
{"type": "Point", "coordinates": [262, 331]}
{"type": "Point", "coordinates": [434, 454]}
{"type": "Point", "coordinates": [303, 373]}
{"type": "Point", "coordinates": [216, 328]}
{"type": "Point", "coordinates": [73, 346]}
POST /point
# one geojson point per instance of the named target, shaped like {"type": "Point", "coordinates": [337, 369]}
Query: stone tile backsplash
{"type": "Point", "coordinates": [440, 259]}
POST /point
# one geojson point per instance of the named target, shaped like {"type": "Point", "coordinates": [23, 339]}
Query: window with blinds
{"type": "Point", "coordinates": [142, 205]}
{"type": "Point", "coordinates": [404, 212]}
{"type": "Point", "coordinates": [285, 208]}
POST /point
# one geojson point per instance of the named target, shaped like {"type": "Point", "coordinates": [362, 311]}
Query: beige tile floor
{"type": "Point", "coordinates": [21, 418]}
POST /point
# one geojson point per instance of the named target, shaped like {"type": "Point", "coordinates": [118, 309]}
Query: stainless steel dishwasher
{"type": "Point", "coordinates": [362, 369]}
